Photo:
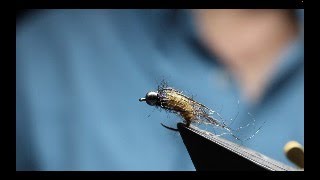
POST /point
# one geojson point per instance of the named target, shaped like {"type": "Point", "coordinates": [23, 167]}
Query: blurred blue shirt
{"type": "Point", "coordinates": [80, 73]}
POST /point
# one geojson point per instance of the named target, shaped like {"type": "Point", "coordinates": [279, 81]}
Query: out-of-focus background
{"type": "Point", "coordinates": [80, 73]}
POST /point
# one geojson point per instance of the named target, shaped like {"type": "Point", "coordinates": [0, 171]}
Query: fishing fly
{"type": "Point", "coordinates": [190, 110]}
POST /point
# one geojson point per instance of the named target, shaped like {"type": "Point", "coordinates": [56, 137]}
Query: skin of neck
{"type": "Point", "coordinates": [247, 42]}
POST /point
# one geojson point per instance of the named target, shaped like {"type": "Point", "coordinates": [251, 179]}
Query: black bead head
{"type": "Point", "coordinates": [151, 98]}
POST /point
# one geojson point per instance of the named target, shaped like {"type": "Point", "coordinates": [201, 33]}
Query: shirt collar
{"type": "Point", "coordinates": [290, 60]}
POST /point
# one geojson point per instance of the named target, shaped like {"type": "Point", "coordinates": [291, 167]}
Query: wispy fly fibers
{"type": "Point", "coordinates": [190, 110]}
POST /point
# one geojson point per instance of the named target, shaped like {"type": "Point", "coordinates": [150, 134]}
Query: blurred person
{"type": "Point", "coordinates": [79, 74]}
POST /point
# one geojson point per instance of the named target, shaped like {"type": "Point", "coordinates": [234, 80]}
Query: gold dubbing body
{"type": "Point", "coordinates": [176, 101]}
